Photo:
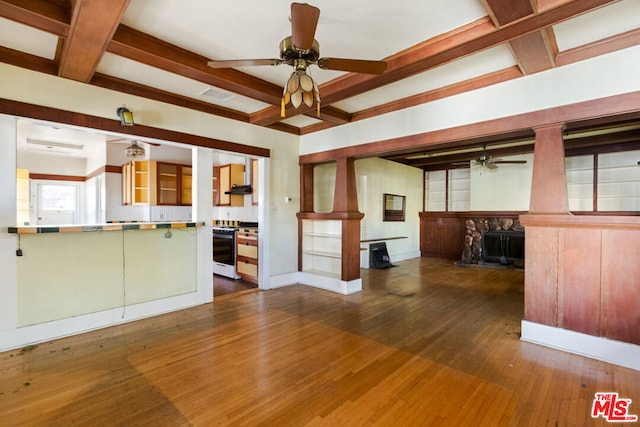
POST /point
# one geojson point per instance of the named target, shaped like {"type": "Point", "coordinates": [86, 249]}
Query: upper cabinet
{"type": "Point", "coordinates": [225, 177]}
{"type": "Point", "coordinates": [148, 182]}
{"type": "Point", "coordinates": [139, 183]}
{"type": "Point", "coordinates": [174, 184]}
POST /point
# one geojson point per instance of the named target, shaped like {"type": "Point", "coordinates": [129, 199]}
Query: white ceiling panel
{"type": "Point", "coordinates": [26, 39]}
{"type": "Point", "coordinates": [597, 25]}
{"type": "Point", "coordinates": [466, 68]}
{"type": "Point", "coordinates": [136, 72]}
{"type": "Point", "coordinates": [361, 29]}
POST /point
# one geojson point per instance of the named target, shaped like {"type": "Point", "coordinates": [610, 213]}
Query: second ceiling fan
{"type": "Point", "coordinates": [301, 50]}
{"type": "Point", "coordinates": [485, 160]}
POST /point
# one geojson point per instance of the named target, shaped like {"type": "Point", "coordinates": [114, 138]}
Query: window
{"type": "Point", "coordinates": [604, 182]}
{"type": "Point", "coordinates": [57, 204]}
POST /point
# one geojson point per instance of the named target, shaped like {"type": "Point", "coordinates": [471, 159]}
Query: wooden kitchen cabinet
{"type": "Point", "coordinates": [186, 186]}
{"type": "Point", "coordinates": [225, 177]}
{"type": "Point", "coordinates": [247, 254]}
{"type": "Point", "coordinates": [174, 184]}
{"type": "Point", "coordinates": [148, 182]}
{"type": "Point", "coordinates": [139, 183]}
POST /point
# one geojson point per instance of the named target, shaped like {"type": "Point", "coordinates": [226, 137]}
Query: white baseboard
{"type": "Point", "coordinates": [611, 351]}
{"type": "Point", "coordinates": [283, 280]}
{"type": "Point", "coordinates": [319, 281]}
{"type": "Point", "coordinates": [330, 283]}
{"type": "Point", "coordinates": [33, 334]}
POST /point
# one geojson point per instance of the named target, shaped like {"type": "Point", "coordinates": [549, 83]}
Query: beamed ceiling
{"type": "Point", "coordinates": [159, 49]}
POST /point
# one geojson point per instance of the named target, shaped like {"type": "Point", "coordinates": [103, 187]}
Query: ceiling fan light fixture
{"type": "Point", "coordinates": [134, 151]}
{"type": "Point", "coordinates": [300, 88]}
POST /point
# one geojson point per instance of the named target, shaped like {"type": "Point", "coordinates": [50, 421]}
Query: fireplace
{"type": "Point", "coordinates": [503, 246]}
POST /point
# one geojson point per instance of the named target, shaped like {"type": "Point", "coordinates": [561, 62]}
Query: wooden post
{"type": "Point", "coordinates": [345, 203]}
{"type": "Point", "coordinates": [306, 188]}
{"type": "Point", "coordinates": [549, 183]}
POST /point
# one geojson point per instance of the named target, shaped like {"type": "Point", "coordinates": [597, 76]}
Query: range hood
{"type": "Point", "coordinates": [240, 189]}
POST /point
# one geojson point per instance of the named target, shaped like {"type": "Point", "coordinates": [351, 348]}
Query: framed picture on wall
{"type": "Point", "coordinates": [393, 207]}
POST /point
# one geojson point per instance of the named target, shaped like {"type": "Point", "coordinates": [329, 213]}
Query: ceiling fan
{"type": "Point", "coordinates": [301, 50]}
{"type": "Point", "coordinates": [489, 162]}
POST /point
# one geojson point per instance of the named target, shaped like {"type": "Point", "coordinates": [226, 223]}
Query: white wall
{"type": "Point", "coordinates": [507, 188]}
{"type": "Point", "coordinates": [376, 177]}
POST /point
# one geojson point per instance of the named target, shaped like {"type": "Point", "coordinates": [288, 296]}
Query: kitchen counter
{"type": "Point", "coordinates": [115, 226]}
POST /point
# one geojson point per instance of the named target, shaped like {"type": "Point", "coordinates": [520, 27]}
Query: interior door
{"type": "Point", "coordinates": [57, 204]}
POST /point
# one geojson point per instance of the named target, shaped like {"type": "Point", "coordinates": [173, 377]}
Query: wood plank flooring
{"type": "Point", "coordinates": [425, 343]}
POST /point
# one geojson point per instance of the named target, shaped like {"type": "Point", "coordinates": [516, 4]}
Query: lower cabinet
{"type": "Point", "coordinates": [247, 254]}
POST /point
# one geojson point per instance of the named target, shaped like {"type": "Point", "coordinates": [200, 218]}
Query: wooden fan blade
{"type": "Point", "coordinates": [513, 162]}
{"type": "Point", "coordinates": [233, 63]}
{"type": "Point", "coordinates": [304, 20]}
{"type": "Point", "coordinates": [491, 165]}
{"type": "Point", "coordinates": [352, 65]}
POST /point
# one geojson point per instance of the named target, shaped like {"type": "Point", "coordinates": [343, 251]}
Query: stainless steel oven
{"type": "Point", "coordinates": [224, 252]}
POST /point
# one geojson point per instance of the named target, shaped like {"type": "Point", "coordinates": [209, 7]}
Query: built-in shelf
{"type": "Point", "coordinates": [322, 247]}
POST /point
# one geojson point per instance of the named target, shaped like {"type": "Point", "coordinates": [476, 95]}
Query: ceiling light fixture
{"type": "Point", "coordinates": [300, 88]}
{"type": "Point", "coordinates": [126, 116]}
{"type": "Point", "coordinates": [134, 151]}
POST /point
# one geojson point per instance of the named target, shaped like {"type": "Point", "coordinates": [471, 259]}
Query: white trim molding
{"type": "Point", "coordinates": [610, 351]}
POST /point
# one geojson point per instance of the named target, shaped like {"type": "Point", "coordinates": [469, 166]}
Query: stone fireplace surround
{"type": "Point", "coordinates": [474, 229]}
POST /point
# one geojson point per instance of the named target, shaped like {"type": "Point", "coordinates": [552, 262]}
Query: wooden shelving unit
{"type": "Point", "coordinates": [322, 247]}
{"type": "Point", "coordinates": [247, 254]}
{"type": "Point", "coordinates": [149, 182]}
{"type": "Point", "coordinates": [143, 191]}
{"type": "Point", "coordinates": [168, 174]}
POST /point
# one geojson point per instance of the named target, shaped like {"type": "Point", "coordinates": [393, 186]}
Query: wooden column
{"type": "Point", "coordinates": [306, 188]}
{"type": "Point", "coordinates": [345, 204]}
{"type": "Point", "coordinates": [549, 183]}
{"type": "Point", "coordinates": [548, 197]}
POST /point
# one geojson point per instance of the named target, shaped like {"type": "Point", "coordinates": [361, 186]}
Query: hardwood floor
{"type": "Point", "coordinates": [425, 343]}
{"type": "Point", "coordinates": [225, 286]}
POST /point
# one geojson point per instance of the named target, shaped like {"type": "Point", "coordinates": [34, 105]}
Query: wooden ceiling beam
{"type": "Point", "coordinates": [28, 61]}
{"type": "Point", "coordinates": [93, 23]}
{"type": "Point", "coordinates": [43, 15]}
{"type": "Point", "coordinates": [534, 52]}
{"type": "Point", "coordinates": [470, 39]}
{"type": "Point", "coordinates": [600, 47]}
{"type": "Point", "coordinates": [146, 49]}
{"type": "Point", "coordinates": [128, 87]}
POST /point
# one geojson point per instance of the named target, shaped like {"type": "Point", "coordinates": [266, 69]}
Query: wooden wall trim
{"type": "Point", "coordinates": [472, 214]}
{"type": "Point", "coordinates": [113, 169]}
{"type": "Point", "coordinates": [56, 177]}
{"type": "Point", "coordinates": [32, 111]}
{"type": "Point", "coordinates": [52, 177]}
{"type": "Point", "coordinates": [628, 222]}
{"type": "Point", "coordinates": [581, 112]}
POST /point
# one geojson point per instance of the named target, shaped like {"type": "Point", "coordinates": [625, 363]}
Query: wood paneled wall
{"type": "Point", "coordinates": [582, 274]}
{"type": "Point", "coordinates": [442, 233]}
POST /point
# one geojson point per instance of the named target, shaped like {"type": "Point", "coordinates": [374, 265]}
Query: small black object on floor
{"type": "Point", "coordinates": [379, 256]}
